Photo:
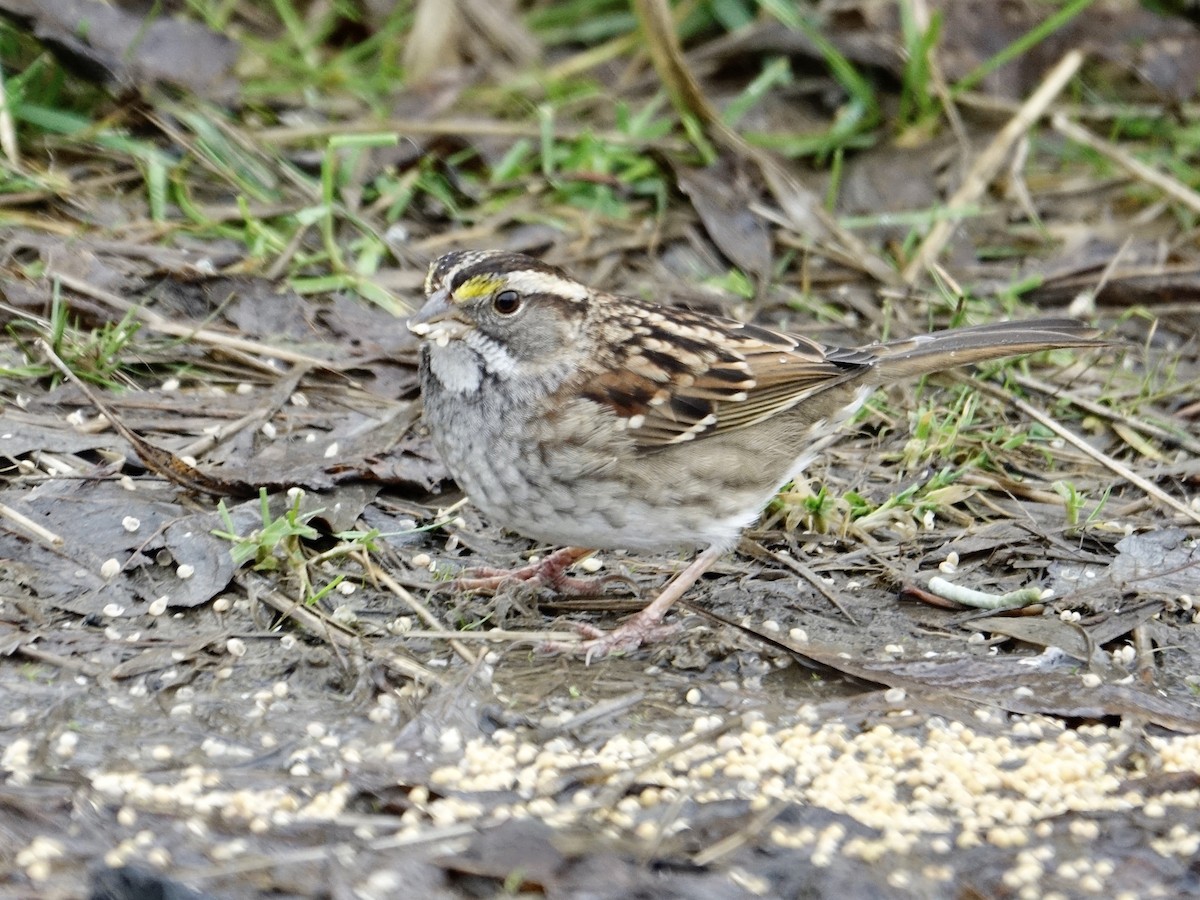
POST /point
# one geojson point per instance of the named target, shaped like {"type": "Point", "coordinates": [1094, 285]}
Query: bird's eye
{"type": "Point", "coordinates": [506, 302]}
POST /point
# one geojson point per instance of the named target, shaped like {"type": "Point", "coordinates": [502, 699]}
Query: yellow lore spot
{"type": "Point", "coordinates": [478, 286]}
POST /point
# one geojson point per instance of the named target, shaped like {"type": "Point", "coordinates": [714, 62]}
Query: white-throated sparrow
{"type": "Point", "coordinates": [597, 421]}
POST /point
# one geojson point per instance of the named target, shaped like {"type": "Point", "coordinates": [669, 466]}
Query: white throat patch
{"type": "Point", "coordinates": [456, 366]}
{"type": "Point", "coordinates": [460, 364]}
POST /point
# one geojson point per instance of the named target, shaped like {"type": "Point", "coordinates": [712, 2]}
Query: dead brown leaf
{"type": "Point", "coordinates": [113, 45]}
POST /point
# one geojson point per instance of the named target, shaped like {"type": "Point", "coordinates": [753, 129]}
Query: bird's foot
{"type": "Point", "coordinates": [643, 628]}
{"type": "Point", "coordinates": [549, 572]}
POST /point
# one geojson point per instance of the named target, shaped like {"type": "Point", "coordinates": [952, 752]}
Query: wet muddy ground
{"type": "Point", "coordinates": [815, 726]}
{"type": "Point", "coordinates": [233, 662]}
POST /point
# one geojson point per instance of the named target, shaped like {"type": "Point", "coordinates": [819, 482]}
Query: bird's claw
{"type": "Point", "coordinates": [598, 643]}
{"type": "Point", "coordinates": [550, 572]}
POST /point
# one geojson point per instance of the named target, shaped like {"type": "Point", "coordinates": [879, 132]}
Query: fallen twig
{"type": "Point", "coordinates": [989, 162]}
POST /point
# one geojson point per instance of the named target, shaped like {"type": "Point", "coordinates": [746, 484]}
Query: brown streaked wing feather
{"type": "Point", "coordinates": [716, 376]}
{"type": "Point", "coordinates": [784, 379]}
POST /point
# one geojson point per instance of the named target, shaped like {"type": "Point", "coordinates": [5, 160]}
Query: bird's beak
{"type": "Point", "coordinates": [438, 319]}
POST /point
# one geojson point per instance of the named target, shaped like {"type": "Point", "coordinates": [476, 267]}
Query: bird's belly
{"type": "Point", "coordinates": [627, 523]}
{"type": "Point", "coordinates": [522, 495]}
{"type": "Point", "coordinates": [582, 497]}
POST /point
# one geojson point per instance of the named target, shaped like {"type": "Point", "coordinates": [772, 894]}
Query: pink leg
{"type": "Point", "coordinates": [646, 626]}
{"type": "Point", "coordinates": [550, 572]}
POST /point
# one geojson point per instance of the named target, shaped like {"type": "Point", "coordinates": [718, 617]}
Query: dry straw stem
{"type": "Point", "coordinates": [1087, 112]}
{"type": "Point", "coordinates": [495, 634]}
{"type": "Point", "coordinates": [433, 43]}
{"type": "Point", "coordinates": [989, 163]}
{"type": "Point", "coordinates": [754, 548]}
{"type": "Point", "coordinates": [162, 325]}
{"type": "Point", "coordinates": [22, 521]}
{"type": "Point", "coordinates": [1172, 187]}
{"type": "Point", "coordinates": [750, 830]}
{"type": "Point", "coordinates": [267, 407]}
{"type": "Point", "coordinates": [315, 622]}
{"type": "Point", "coordinates": [1117, 417]}
{"type": "Point", "coordinates": [805, 211]}
{"type": "Point", "coordinates": [159, 461]}
{"type": "Point", "coordinates": [257, 862]}
{"type": "Point", "coordinates": [1117, 468]}
{"type": "Point", "coordinates": [443, 31]}
{"type": "Point", "coordinates": [440, 631]}
{"type": "Point", "coordinates": [456, 127]}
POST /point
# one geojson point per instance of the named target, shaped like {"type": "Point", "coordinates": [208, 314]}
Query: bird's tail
{"type": "Point", "coordinates": [925, 353]}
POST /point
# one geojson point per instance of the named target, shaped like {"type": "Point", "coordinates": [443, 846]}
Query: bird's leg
{"type": "Point", "coordinates": [551, 572]}
{"type": "Point", "coordinates": [646, 626]}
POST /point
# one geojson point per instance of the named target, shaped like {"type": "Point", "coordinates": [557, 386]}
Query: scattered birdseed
{"type": "Point", "coordinates": [1087, 829]}
{"type": "Point", "coordinates": [299, 398]}
{"type": "Point", "coordinates": [131, 523]}
{"type": "Point", "coordinates": [66, 744]}
{"type": "Point", "coordinates": [185, 571]}
{"type": "Point", "coordinates": [110, 568]}
{"type": "Point", "coordinates": [949, 565]}
{"type": "Point", "coordinates": [421, 561]}
{"type": "Point", "coordinates": [268, 429]}
{"type": "Point", "coordinates": [591, 565]}
{"type": "Point", "coordinates": [1125, 655]}
{"type": "Point", "coordinates": [920, 788]}
{"type": "Point", "coordinates": [113, 610]}
{"type": "Point", "coordinates": [332, 450]}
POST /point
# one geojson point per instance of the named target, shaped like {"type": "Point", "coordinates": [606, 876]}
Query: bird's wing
{"type": "Point", "coordinates": [683, 376]}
